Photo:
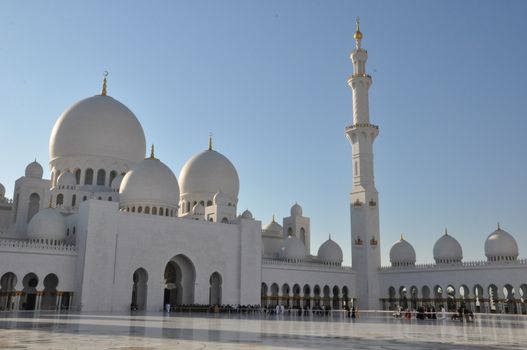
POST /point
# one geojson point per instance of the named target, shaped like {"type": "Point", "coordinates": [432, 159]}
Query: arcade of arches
{"type": "Point", "coordinates": [485, 299]}
{"type": "Point", "coordinates": [312, 297]}
{"type": "Point", "coordinates": [30, 295]}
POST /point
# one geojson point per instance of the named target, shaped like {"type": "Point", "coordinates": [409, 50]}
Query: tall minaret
{"type": "Point", "coordinates": [364, 203]}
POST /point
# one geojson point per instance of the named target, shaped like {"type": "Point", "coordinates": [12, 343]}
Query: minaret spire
{"type": "Point", "coordinates": [358, 34]}
{"type": "Point", "coordinates": [104, 83]}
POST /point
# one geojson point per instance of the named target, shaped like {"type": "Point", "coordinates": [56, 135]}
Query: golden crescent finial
{"type": "Point", "coordinates": [402, 237]}
{"type": "Point", "coordinates": [104, 83]}
{"type": "Point", "coordinates": [358, 34]}
{"type": "Point", "coordinates": [499, 228]}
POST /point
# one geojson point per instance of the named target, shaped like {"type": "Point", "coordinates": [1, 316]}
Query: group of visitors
{"type": "Point", "coordinates": [224, 308]}
{"type": "Point", "coordinates": [429, 312]}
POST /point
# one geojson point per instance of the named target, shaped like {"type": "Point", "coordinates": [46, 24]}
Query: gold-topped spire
{"type": "Point", "coordinates": [104, 83]}
{"type": "Point", "coordinates": [446, 231]}
{"type": "Point", "coordinates": [152, 153]}
{"type": "Point", "coordinates": [273, 218]}
{"type": "Point", "coordinates": [358, 35]}
{"type": "Point", "coordinates": [402, 237]}
{"type": "Point", "coordinates": [210, 141]}
{"type": "Point", "coordinates": [330, 236]}
{"type": "Point", "coordinates": [499, 228]}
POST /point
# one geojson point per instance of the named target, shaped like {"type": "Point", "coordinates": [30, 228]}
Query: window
{"type": "Point", "coordinates": [78, 176]}
{"type": "Point", "coordinates": [113, 175]}
{"type": "Point", "coordinates": [101, 176]}
{"type": "Point", "coordinates": [154, 211]}
{"type": "Point", "coordinates": [88, 177]}
{"type": "Point", "coordinates": [60, 199]}
{"type": "Point", "coordinates": [73, 200]}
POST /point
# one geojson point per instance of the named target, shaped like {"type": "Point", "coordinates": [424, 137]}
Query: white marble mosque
{"type": "Point", "coordinates": [111, 229]}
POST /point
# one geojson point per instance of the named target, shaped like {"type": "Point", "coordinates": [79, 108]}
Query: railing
{"type": "Point", "coordinates": [362, 125]}
{"type": "Point", "coordinates": [40, 244]}
{"type": "Point", "coordinates": [267, 261]}
{"type": "Point", "coordinates": [461, 264]}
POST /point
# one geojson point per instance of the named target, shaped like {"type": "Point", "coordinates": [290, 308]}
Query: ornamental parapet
{"type": "Point", "coordinates": [360, 75]}
{"type": "Point", "coordinates": [37, 244]}
{"type": "Point", "coordinates": [479, 263]}
{"type": "Point", "coordinates": [361, 125]}
{"type": "Point", "coordinates": [267, 261]}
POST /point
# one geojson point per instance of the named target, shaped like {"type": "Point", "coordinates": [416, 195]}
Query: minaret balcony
{"type": "Point", "coordinates": [361, 125]}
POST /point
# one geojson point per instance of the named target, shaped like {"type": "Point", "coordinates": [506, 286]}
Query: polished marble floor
{"type": "Point", "coordinates": [202, 331]}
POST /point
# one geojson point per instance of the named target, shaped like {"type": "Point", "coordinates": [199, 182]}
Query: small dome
{"type": "Point", "coordinates": [500, 245]}
{"type": "Point", "coordinates": [447, 250]}
{"type": "Point", "coordinates": [209, 172]}
{"type": "Point", "coordinates": [330, 252]}
{"type": "Point", "coordinates": [98, 126]}
{"type": "Point", "coordinates": [198, 209]}
{"type": "Point", "coordinates": [2, 191]}
{"type": "Point", "coordinates": [247, 214]}
{"type": "Point", "coordinates": [221, 198]}
{"type": "Point", "coordinates": [273, 227]}
{"type": "Point", "coordinates": [47, 224]}
{"type": "Point", "coordinates": [34, 170]}
{"type": "Point", "coordinates": [402, 253]}
{"type": "Point", "coordinates": [150, 182]}
{"type": "Point", "coordinates": [293, 249]}
{"type": "Point", "coordinates": [116, 183]}
{"type": "Point", "coordinates": [296, 210]}
{"type": "Point", "coordinates": [66, 180]}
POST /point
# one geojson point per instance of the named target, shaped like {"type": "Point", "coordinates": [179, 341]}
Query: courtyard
{"type": "Point", "coordinates": [27, 330]}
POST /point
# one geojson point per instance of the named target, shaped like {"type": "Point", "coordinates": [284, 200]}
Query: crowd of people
{"type": "Point", "coordinates": [429, 312]}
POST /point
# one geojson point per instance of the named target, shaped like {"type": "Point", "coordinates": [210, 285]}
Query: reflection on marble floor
{"type": "Point", "coordinates": [201, 331]}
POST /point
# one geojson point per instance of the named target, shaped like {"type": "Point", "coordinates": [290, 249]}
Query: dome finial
{"type": "Point", "coordinates": [358, 35]}
{"type": "Point", "coordinates": [330, 236]}
{"type": "Point", "coordinates": [104, 83]}
{"type": "Point", "coordinates": [499, 228]}
{"type": "Point", "coordinates": [152, 153]}
{"type": "Point", "coordinates": [273, 218]}
{"type": "Point", "coordinates": [210, 141]}
{"type": "Point", "coordinates": [446, 231]}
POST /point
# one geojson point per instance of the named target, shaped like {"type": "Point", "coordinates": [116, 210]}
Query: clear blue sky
{"type": "Point", "coordinates": [268, 78]}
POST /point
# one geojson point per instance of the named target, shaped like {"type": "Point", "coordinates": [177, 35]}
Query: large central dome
{"type": "Point", "coordinates": [98, 126]}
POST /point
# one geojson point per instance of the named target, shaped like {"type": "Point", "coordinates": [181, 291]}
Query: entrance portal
{"type": "Point", "coordinates": [180, 277]}
{"type": "Point", "coordinates": [139, 289]}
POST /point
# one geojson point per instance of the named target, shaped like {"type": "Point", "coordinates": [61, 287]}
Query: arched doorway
{"type": "Point", "coordinates": [327, 297]}
{"type": "Point", "coordinates": [316, 293]}
{"type": "Point", "coordinates": [264, 294]}
{"type": "Point", "coordinates": [29, 295]}
{"type": "Point", "coordinates": [139, 289]}
{"type": "Point", "coordinates": [7, 291]}
{"type": "Point", "coordinates": [345, 297]}
{"type": "Point", "coordinates": [296, 296]}
{"type": "Point", "coordinates": [274, 294]}
{"type": "Point", "coordinates": [180, 278]}
{"type": "Point", "coordinates": [336, 298]}
{"type": "Point", "coordinates": [391, 297]}
{"type": "Point", "coordinates": [451, 298]}
{"type": "Point", "coordinates": [414, 297]}
{"type": "Point", "coordinates": [307, 297]}
{"type": "Point", "coordinates": [285, 295]}
{"type": "Point", "coordinates": [509, 294]}
{"type": "Point", "coordinates": [49, 298]}
{"type": "Point", "coordinates": [215, 289]}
